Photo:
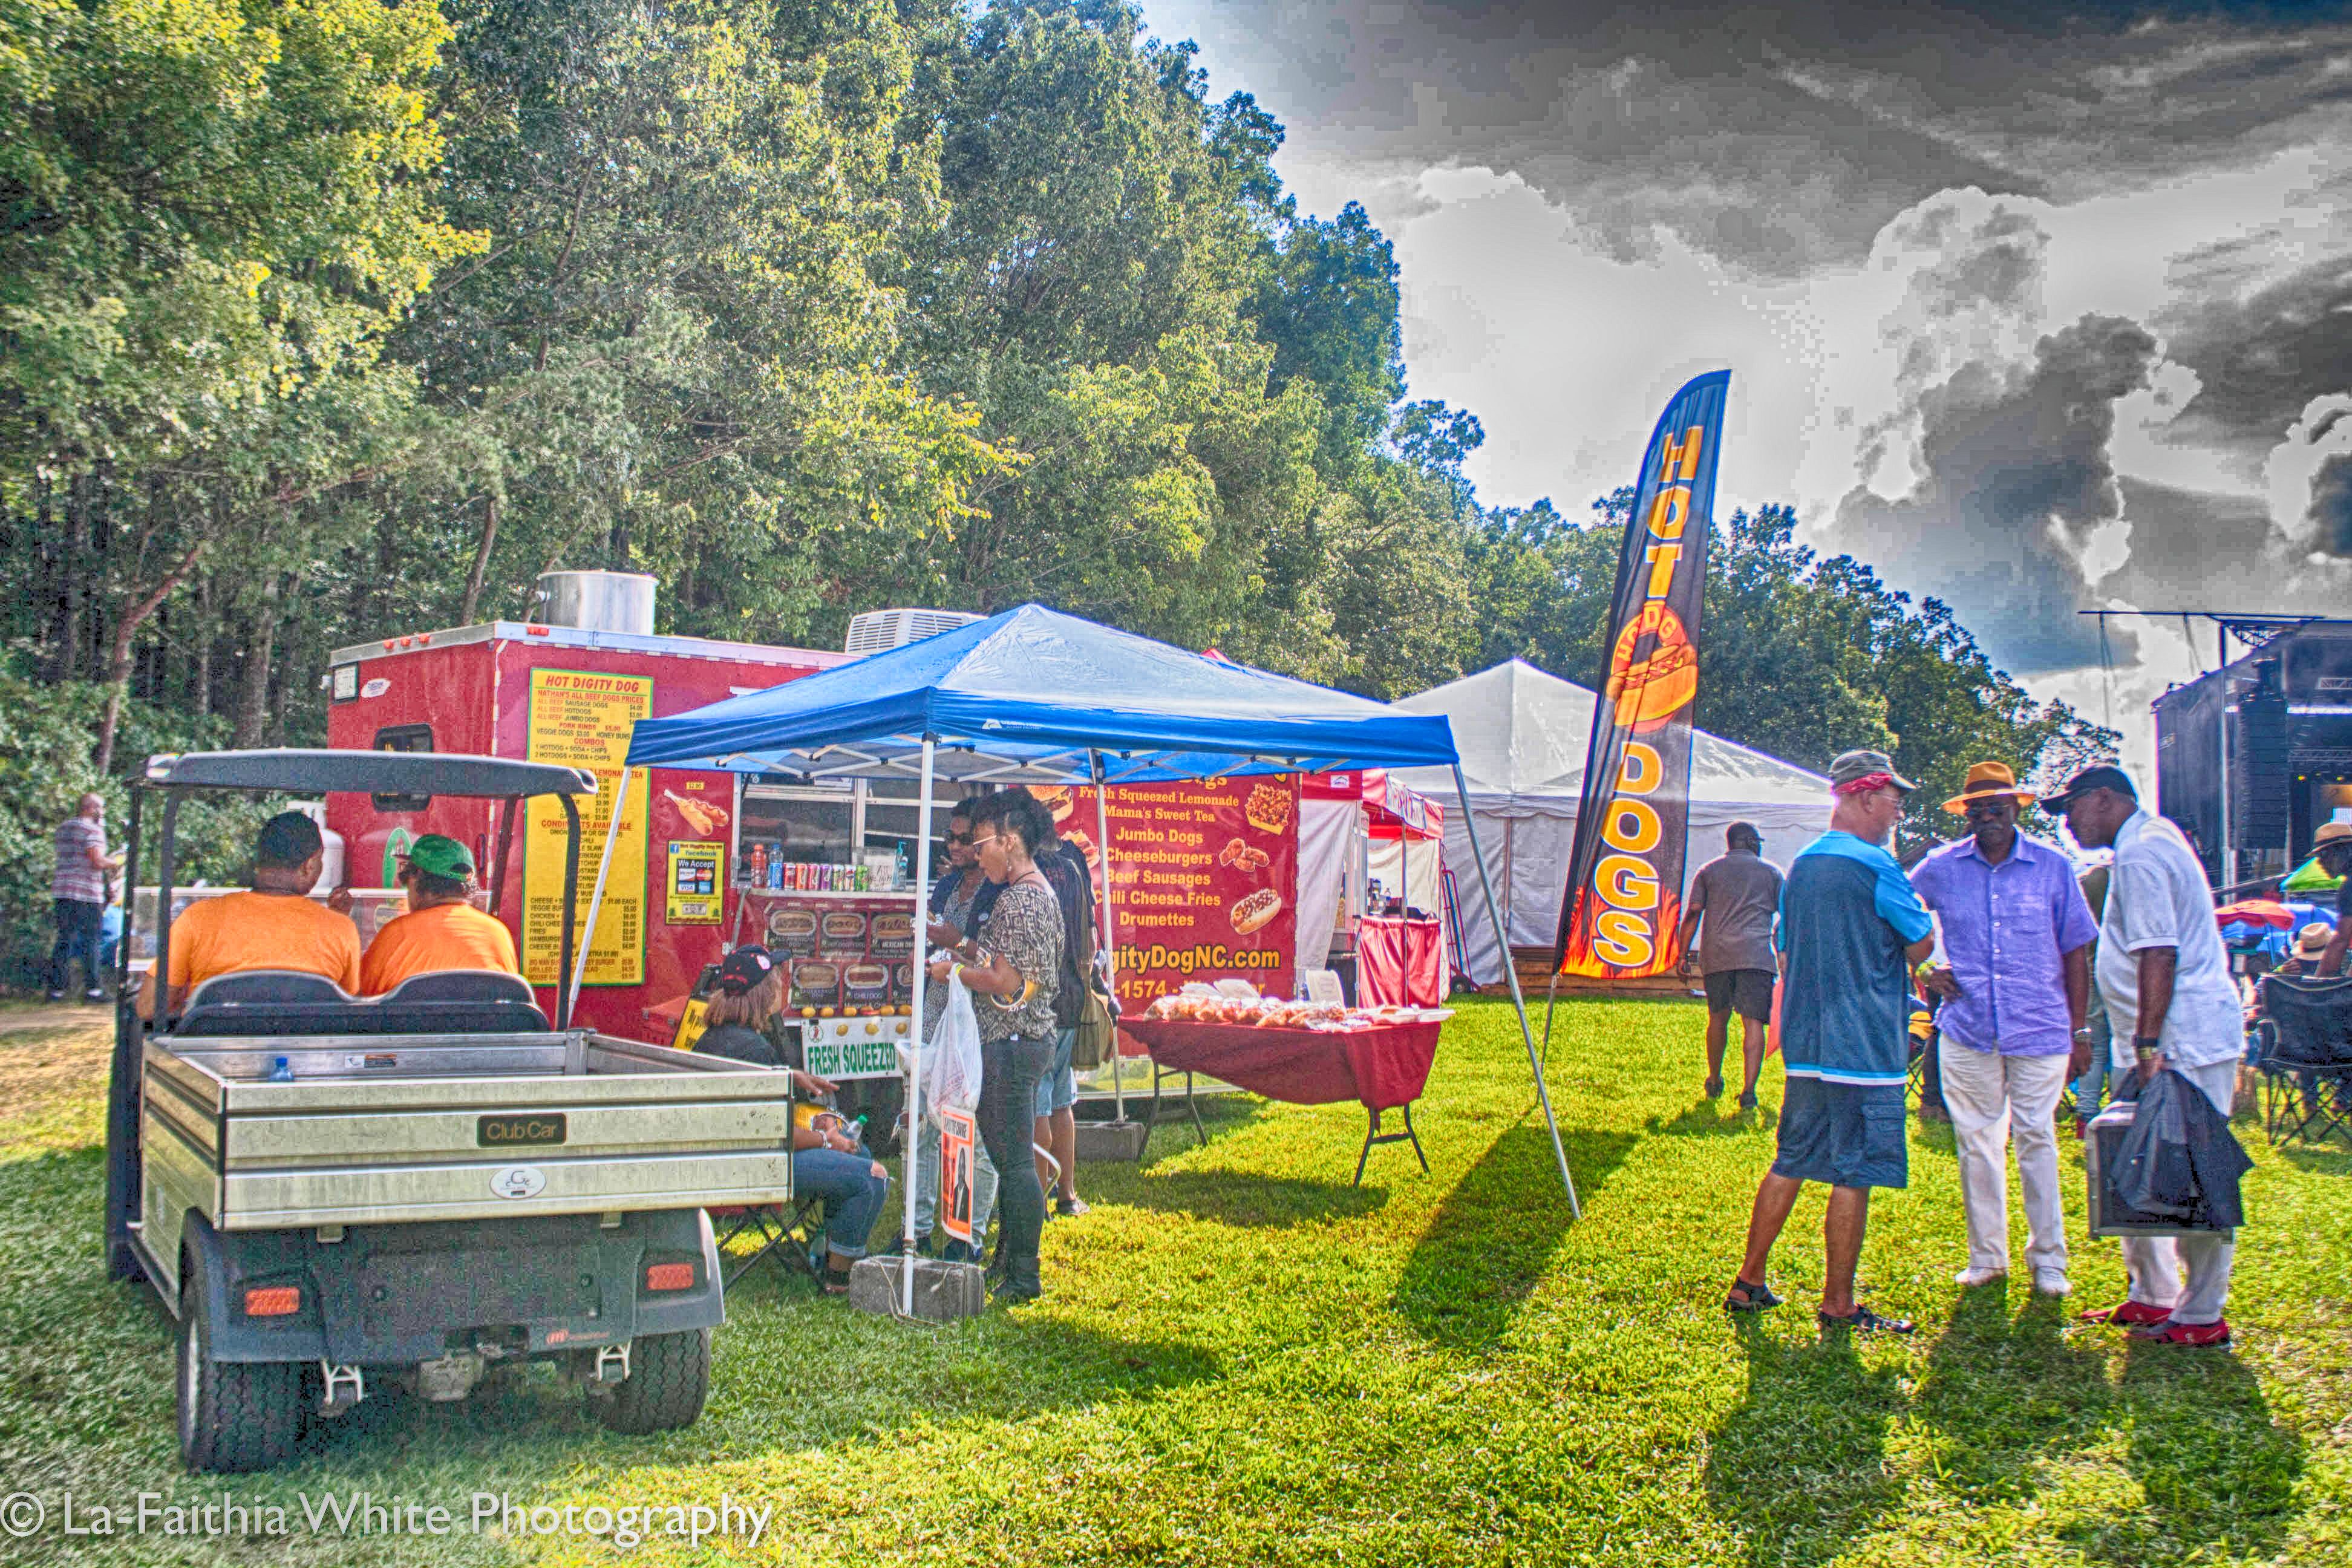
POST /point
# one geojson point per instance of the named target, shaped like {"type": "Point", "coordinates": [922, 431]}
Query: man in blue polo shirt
{"type": "Point", "coordinates": [1850, 929]}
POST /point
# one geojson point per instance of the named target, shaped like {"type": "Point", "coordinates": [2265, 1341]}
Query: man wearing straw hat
{"type": "Point", "coordinates": [2015, 977]}
{"type": "Point", "coordinates": [2333, 845]}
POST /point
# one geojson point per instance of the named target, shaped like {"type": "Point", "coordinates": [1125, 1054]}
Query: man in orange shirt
{"type": "Point", "coordinates": [441, 931]}
{"type": "Point", "coordinates": [275, 926]}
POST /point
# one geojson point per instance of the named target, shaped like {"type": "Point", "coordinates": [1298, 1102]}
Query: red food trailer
{"type": "Point", "coordinates": [691, 845]}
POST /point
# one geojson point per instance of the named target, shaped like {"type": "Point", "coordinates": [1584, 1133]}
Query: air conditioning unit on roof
{"type": "Point", "coordinates": [877, 631]}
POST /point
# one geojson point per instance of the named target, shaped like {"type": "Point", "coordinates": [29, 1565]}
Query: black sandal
{"type": "Point", "coordinates": [1746, 1297]}
{"type": "Point", "coordinates": [1862, 1320]}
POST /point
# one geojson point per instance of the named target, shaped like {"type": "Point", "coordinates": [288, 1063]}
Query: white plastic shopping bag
{"type": "Point", "coordinates": [953, 1082]}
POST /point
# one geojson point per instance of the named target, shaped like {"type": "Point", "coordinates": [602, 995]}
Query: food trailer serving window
{"type": "Point", "coordinates": [781, 822]}
{"type": "Point", "coordinates": [891, 823]}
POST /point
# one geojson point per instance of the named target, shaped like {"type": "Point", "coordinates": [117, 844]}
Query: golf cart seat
{"type": "Point", "coordinates": [461, 1000]}
{"type": "Point", "coordinates": [252, 1002]}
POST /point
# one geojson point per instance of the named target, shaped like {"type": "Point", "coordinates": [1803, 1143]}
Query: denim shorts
{"type": "Point", "coordinates": [1848, 1135]}
{"type": "Point", "coordinates": [1058, 1089]}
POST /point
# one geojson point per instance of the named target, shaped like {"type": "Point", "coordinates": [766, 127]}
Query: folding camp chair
{"type": "Point", "coordinates": [786, 1240]}
{"type": "Point", "coordinates": [2305, 1060]}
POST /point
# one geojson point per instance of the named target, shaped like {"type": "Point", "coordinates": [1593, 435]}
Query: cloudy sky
{"type": "Point", "coordinates": [2035, 307]}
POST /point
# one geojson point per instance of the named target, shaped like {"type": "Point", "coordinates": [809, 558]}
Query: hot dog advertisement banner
{"type": "Point", "coordinates": [1622, 910]}
{"type": "Point", "coordinates": [1203, 877]}
{"type": "Point", "coordinates": [583, 720]}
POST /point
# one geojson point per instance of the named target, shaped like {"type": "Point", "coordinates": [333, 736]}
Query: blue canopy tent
{"type": "Point", "coordinates": [1032, 696]}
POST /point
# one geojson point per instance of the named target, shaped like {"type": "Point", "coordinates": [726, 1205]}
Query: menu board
{"type": "Point", "coordinates": [1203, 877]}
{"type": "Point", "coordinates": [583, 719]}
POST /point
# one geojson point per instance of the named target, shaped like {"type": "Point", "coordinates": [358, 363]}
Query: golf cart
{"type": "Point", "coordinates": [336, 1195]}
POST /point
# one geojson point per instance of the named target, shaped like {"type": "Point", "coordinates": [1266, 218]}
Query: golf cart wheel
{"type": "Point", "coordinates": [670, 1377]}
{"type": "Point", "coordinates": [233, 1416]}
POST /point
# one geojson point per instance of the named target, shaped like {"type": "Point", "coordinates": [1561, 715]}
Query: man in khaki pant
{"type": "Point", "coordinates": [2016, 983]}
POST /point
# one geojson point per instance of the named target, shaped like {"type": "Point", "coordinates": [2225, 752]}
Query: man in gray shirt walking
{"type": "Point", "coordinates": [1738, 897]}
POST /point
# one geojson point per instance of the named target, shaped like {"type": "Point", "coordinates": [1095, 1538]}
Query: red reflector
{"type": "Point", "coordinates": [389, 645]}
{"type": "Point", "coordinates": [535, 631]}
{"type": "Point", "coordinates": [273, 1301]}
{"type": "Point", "coordinates": [670, 1276]}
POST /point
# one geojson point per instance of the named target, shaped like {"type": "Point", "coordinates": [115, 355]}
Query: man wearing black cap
{"type": "Point", "coordinates": [275, 926]}
{"type": "Point", "coordinates": [1851, 928]}
{"type": "Point", "coordinates": [1738, 896]}
{"type": "Point", "coordinates": [2172, 1004]}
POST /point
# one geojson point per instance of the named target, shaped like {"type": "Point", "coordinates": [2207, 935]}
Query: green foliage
{"type": "Point", "coordinates": [45, 770]}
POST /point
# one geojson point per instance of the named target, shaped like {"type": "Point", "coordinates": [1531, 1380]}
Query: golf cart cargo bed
{"type": "Point", "coordinates": [385, 1130]}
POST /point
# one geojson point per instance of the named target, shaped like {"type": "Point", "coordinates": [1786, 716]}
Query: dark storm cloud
{"type": "Point", "coordinates": [1780, 137]}
{"type": "Point", "coordinates": [2015, 479]}
{"type": "Point", "coordinates": [2331, 507]}
{"type": "Point", "coordinates": [2260, 356]}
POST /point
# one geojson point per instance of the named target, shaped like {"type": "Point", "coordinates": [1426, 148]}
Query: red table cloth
{"type": "Point", "coordinates": [1399, 963]}
{"type": "Point", "coordinates": [1380, 1068]}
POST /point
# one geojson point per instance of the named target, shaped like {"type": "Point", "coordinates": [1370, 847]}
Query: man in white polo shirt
{"type": "Point", "coordinates": [2166, 981]}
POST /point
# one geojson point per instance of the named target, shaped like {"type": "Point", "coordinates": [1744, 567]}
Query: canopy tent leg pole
{"type": "Point", "coordinates": [914, 1067]}
{"type": "Point", "coordinates": [1551, 1001]}
{"type": "Point", "coordinates": [1109, 941]}
{"type": "Point", "coordinates": [596, 899]}
{"type": "Point", "coordinates": [1511, 974]}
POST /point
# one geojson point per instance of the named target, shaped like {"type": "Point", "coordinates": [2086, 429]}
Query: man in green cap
{"type": "Point", "coordinates": [441, 931]}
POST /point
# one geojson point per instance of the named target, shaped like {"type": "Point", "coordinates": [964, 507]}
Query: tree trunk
{"type": "Point", "coordinates": [78, 563]}
{"type": "Point", "coordinates": [200, 702]}
{"type": "Point", "coordinates": [252, 687]}
{"type": "Point", "coordinates": [481, 561]}
{"type": "Point", "coordinates": [134, 616]}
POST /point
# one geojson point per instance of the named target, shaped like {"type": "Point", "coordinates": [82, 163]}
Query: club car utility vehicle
{"type": "Point", "coordinates": [338, 1195]}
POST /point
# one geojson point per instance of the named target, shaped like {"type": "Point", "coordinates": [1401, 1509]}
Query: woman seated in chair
{"type": "Point", "coordinates": [827, 1162]}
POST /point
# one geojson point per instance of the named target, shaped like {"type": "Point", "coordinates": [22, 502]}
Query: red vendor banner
{"type": "Point", "coordinates": [1204, 878]}
{"type": "Point", "coordinates": [1621, 915]}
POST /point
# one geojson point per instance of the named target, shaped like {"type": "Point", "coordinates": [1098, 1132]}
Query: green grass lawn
{"type": "Point", "coordinates": [1244, 1360]}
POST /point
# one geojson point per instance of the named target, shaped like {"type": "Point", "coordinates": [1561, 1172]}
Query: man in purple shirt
{"type": "Point", "coordinates": [2015, 977]}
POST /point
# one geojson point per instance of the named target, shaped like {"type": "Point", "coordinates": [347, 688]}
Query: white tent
{"type": "Point", "coordinates": [1522, 735]}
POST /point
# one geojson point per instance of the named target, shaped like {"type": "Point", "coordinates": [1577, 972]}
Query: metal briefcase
{"type": "Point", "coordinates": [2101, 1150]}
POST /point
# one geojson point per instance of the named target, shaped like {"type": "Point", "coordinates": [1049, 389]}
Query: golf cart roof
{"type": "Point", "coordinates": [314, 771]}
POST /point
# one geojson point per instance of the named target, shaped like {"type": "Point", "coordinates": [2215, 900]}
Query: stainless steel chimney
{"type": "Point", "coordinates": [598, 601]}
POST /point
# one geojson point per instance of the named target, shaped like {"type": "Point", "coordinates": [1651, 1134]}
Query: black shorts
{"type": "Point", "coordinates": [1747, 991]}
{"type": "Point", "coordinates": [1847, 1135]}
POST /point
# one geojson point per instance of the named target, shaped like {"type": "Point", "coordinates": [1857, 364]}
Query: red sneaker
{"type": "Point", "coordinates": [2214, 1335]}
{"type": "Point", "coordinates": [2131, 1315]}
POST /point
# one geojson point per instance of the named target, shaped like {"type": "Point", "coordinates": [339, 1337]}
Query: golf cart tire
{"type": "Point", "coordinates": [670, 1377]}
{"type": "Point", "coordinates": [234, 1416]}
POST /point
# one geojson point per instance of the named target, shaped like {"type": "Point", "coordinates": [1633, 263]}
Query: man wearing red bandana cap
{"type": "Point", "coordinates": [1849, 930]}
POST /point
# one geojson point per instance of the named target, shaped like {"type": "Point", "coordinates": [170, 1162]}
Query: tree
{"type": "Point", "coordinates": [214, 212]}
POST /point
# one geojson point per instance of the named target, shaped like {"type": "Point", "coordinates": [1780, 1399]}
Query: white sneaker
{"type": "Point", "coordinates": [2052, 1282]}
{"type": "Point", "coordinates": [1970, 1277]}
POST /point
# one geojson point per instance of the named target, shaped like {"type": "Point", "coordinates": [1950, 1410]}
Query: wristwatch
{"type": "Point", "coordinates": [2147, 1048]}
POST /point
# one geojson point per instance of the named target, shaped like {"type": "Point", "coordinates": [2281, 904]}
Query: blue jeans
{"type": "Point", "coordinates": [852, 1195]}
{"type": "Point", "coordinates": [1009, 1069]}
{"type": "Point", "coordinates": [77, 939]}
{"type": "Point", "coordinates": [2094, 1080]}
{"type": "Point", "coordinates": [1059, 1088]}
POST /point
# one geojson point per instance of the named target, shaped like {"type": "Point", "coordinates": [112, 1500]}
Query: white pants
{"type": "Point", "coordinates": [2154, 1262]}
{"type": "Point", "coordinates": [1993, 1098]}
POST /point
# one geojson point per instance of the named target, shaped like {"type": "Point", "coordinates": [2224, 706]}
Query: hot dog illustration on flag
{"type": "Point", "coordinates": [1621, 914]}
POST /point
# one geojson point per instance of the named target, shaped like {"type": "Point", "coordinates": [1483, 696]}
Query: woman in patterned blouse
{"type": "Point", "coordinates": [1011, 968]}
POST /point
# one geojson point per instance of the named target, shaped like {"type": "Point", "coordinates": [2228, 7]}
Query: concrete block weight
{"type": "Point", "coordinates": [943, 1291]}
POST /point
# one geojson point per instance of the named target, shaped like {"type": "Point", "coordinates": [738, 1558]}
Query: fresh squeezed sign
{"type": "Point", "coordinates": [1621, 917]}
{"type": "Point", "coordinates": [1203, 877]}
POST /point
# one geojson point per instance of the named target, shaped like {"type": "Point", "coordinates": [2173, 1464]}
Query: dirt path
{"type": "Point", "coordinates": [49, 1054]}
